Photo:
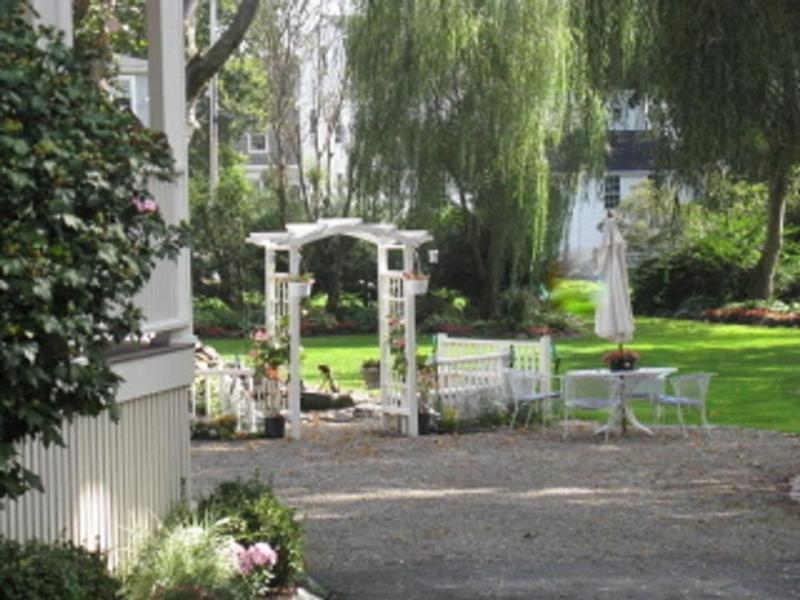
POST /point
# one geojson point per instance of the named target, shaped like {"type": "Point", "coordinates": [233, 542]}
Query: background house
{"type": "Point", "coordinates": [630, 162]}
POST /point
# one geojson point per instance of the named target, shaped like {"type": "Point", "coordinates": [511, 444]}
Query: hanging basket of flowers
{"type": "Point", "coordinates": [416, 283]}
{"type": "Point", "coordinates": [300, 285]}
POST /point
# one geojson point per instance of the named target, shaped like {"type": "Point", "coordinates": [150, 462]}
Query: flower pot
{"type": "Point", "coordinates": [417, 286]}
{"type": "Point", "coordinates": [622, 364]}
{"type": "Point", "coordinates": [424, 423]}
{"type": "Point", "coordinates": [274, 427]}
{"type": "Point", "coordinates": [372, 377]}
{"type": "Point", "coordinates": [299, 289]}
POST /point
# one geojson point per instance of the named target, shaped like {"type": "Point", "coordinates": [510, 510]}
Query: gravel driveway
{"type": "Point", "coordinates": [526, 515]}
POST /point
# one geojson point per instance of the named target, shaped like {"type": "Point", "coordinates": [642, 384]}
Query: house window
{"type": "Point", "coordinates": [338, 133]}
{"type": "Point", "coordinates": [611, 191]}
{"type": "Point", "coordinates": [617, 113]}
{"type": "Point", "coordinates": [126, 84]}
{"type": "Point", "coordinates": [312, 120]}
{"type": "Point", "coordinates": [257, 143]}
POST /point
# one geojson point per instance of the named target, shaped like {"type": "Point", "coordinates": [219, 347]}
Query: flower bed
{"type": "Point", "coordinates": [781, 316]}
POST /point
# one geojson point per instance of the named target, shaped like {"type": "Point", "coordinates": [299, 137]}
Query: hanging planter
{"type": "Point", "coordinates": [416, 283]}
{"type": "Point", "coordinates": [300, 286]}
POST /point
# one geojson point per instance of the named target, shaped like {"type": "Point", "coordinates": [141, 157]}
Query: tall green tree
{"type": "Point", "coordinates": [468, 101]}
{"type": "Point", "coordinates": [724, 82]}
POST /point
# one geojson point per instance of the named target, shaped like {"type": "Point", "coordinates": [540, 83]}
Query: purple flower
{"type": "Point", "coordinates": [145, 206]}
{"type": "Point", "coordinates": [261, 554]}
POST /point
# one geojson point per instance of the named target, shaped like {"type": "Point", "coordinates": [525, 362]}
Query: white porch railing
{"type": "Point", "coordinates": [230, 391]}
{"type": "Point", "coordinates": [469, 371]}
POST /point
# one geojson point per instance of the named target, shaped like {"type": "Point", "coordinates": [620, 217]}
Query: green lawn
{"type": "Point", "coordinates": [758, 381]}
{"type": "Point", "coordinates": [343, 353]}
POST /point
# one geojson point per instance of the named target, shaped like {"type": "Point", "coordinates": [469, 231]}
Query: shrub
{"type": "Point", "coordinates": [212, 314]}
{"type": "Point", "coordinates": [662, 284]}
{"type": "Point", "coordinates": [220, 427]}
{"type": "Point", "coordinates": [186, 560]}
{"type": "Point", "coordinates": [35, 570]}
{"type": "Point", "coordinates": [357, 319]}
{"type": "Point", "coordinates": [251, 514]}
{"type": "Point", "coordinates": [79, 235]}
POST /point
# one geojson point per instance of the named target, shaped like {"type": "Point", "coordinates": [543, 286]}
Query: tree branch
{"type": "Point", "coordinates": [203, 67]}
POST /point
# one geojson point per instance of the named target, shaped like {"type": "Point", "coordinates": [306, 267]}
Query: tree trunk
{"type": "Point", "coordinates": [202, 67]}
{"type": "Point", "coordinates": [763, 280]}
{"type": "Point", "coordinates": [335, 289]}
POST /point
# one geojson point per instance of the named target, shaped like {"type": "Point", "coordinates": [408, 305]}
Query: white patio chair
{"type": "Point", "coordinates": [526, 387]}
{"type": "Point", "coordinates": [589, 392]}
{"type": "Point", "coordinates": [688, 391]}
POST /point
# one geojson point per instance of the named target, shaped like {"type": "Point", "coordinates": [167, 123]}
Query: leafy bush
{"type": "Point", "coordinates": [664, 283]}
{"type": "Point", "coordinates": [186, 560]}
{"type": "Point", "coordinates": [213, 313]}
{"type": "Point", "coordinates": [35, 570]}
{"type": "Point", "coordinates": [220, 427]}
{"type": "Point", "coordinates": [79, 235]}
{"type": "Point", "coordinates": [251, 514]}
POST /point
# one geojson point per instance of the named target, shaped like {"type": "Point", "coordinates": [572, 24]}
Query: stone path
{"type": "Point", "coordinates": [526, 515]}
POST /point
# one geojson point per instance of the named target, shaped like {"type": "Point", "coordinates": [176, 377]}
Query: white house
{"type": "Point", "coordinates": [630, 162]}
{"type": "Point", "coordinates": [322, 113]}
{"type": "Point", "coordinates": [114, 480]}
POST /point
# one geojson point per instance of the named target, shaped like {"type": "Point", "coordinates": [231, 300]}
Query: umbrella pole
{"type": "Point", "coordinates": [622, 400]}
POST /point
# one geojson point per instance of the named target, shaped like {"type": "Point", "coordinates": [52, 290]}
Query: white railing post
{"type": "Point", "coordinates": [294, 354]}
{"type": "Point", "coordinates": [410, 345]}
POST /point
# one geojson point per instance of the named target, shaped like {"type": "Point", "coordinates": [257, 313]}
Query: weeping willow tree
{"type": "Point", "coordinates": [478, 103]}
{"type": "Point", "coordinates": [724, 80]}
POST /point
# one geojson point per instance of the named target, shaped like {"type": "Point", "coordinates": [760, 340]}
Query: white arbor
{"type": "Point", "coordinates": [396, 306]}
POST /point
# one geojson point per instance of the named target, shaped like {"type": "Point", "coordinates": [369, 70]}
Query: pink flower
{"type": "Point", "coordinates": [261, 554]}
{"type": "Point", "coordinates": [145, 206]}
{"type": "Point", "coordinates": [261, 336]}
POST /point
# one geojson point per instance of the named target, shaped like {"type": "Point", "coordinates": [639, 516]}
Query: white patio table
{"type": "Point", "coordinates": [624, 381]}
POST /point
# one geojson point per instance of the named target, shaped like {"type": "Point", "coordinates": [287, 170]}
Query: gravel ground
{"type": "Point", "coordinates": [526, 515]}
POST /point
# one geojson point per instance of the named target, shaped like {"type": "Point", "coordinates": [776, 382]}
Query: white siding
{"type": "Point", "coordinates": [112, 481]}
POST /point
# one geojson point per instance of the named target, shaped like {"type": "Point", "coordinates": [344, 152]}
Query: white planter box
{"type": "Point", "coordinates": [299, 289]}
{"type": "Point", "coordinates": [416, 286]}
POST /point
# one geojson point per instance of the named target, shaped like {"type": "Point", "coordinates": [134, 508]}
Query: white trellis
{"type": "Point", "coordinates": [396, 307]}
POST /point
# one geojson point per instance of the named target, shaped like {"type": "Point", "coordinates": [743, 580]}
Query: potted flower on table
{"type": "Point", "coordinates": [621, 359]}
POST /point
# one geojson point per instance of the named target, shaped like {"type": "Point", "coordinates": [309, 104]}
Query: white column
{"type": "Point", "coordinates": [411, 345]}
{"type": "Point", "coordinates": [167, 79]}
{"type": "Point", "coordinates": [55, 13]}
{"type": "Point", "coordinates": [383, 327]}
{"type": "Point", "coordinates": [294, 353]}
{"type": "Point", "coordinates": [270, 306]}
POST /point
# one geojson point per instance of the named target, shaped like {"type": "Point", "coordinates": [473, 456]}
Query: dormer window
{"type": "Point", "coordinates": [257, 143]}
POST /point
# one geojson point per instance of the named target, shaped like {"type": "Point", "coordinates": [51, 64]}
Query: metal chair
{"type": "Point", "coordinates": [687, 391]}
{"type": "Point", "coordinates": [589, 392]}
{"type": "Point", "coordinates": [526, 387]}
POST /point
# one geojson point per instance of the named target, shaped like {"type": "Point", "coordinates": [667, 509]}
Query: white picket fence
{"type": "Point", "coordinates": [469, 371]}
{"type": "Point", "coordinates": [230, 391]}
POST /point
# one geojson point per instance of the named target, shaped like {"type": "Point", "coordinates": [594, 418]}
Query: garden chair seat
{"type": "Point", "coordinates": [588, 392]}
{"type": "Point", "coordinates": [687, 391]}
{"type": "Point", "coordinates": [526, 387]}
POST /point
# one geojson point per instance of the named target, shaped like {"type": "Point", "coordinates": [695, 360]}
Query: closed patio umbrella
{"type": "Point", "coordinates": [613, 314]}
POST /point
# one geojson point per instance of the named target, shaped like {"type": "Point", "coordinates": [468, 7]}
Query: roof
{"type": "Point", "coordinates": [630, 151]}
{"type": "Point", "coordinates": [299, 234]}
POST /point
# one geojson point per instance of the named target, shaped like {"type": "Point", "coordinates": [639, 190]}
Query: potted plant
{"type": "Point", "coordinates": [300, 285]}
{"type": "Point", "coordinates": [371, 372]}
{"type": "Point", "coordinates": [621, 360]}
{"type": "Point", "coordinates": [415, 282]}
{"type": "Point", "coordinates": [426, 384]}
{"type": "Point", "coordinates": [274, 421]}
{"type": "Point", "coordinates": [267, 356]}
